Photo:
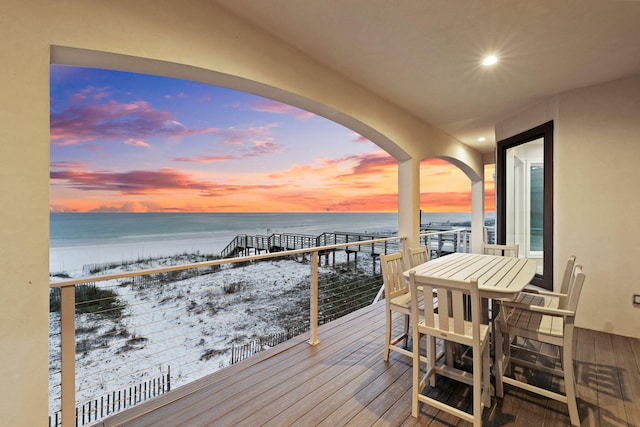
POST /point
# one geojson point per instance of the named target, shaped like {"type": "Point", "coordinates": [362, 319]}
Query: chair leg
{"type": "Point", "coordinates": [415, 389]}
{"type": "Point", "coordinates": [387, 341]}
{"type": "Point", "coordinates": [477, 389]}
{"type": "Point", "coordinates": [406, 331]}
{"type": "Point", "coordinates": [498, 368]}
{"type": "Point", "coordinates": [486, 378]}
{"type": "Point", "coordinates": [569, 380]}
{"type": "Point", "coordinates": [431, 358]}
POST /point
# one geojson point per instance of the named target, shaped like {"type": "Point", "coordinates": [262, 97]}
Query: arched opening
{"type": "Point", "coordinates": [454, 195]}
{"type": "Point", "coordinates": [405, 149]}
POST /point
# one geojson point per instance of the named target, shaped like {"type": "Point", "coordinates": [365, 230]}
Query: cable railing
{"type": "Point", "coordinates": [125, 327]}
{"type": "Point", "coordinates": [114, 331]}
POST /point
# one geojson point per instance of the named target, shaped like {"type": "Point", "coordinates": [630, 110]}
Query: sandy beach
{"type": "Point", "coordinates": [71, 259]}
{"type": "Point", "coordinates": [188, 324]}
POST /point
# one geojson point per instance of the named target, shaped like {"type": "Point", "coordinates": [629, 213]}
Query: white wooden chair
{"type": "Point", "coordinates": [547, 325]}
{"type": "Point", "coordinates": [418, 255]}
{"type": "Point", "coordinates": [500, 250]}
{"type": "Point", "coordinates": [449, 324]}
{"type": "Point", "coordinates": [533, 296]}
{"type": "Point", "coordinates": [397, 298]}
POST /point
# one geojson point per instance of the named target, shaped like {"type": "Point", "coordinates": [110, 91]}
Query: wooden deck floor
{"type": "Point", "coordinates": [343, 381]}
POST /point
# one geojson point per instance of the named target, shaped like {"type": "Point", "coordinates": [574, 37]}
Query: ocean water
{"type": "Point", "coordinates": [88, 238]}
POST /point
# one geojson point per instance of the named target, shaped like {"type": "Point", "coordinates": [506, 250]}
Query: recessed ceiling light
{"type": "Point", "coordinates": [489, 60]}
{"type": "Point", "coordinates": [482, 139]}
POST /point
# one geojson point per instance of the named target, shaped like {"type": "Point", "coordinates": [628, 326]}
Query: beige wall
{"type": "Point", "coordinates": [598, 199]}
{"type": "Point", "coordinates": [596, 203]}
{"type": "Point", "coordinates": [171, 32]}
{"type": "Point", "coordinates": [24, 234]}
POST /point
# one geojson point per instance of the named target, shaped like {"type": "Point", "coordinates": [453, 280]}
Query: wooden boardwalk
{"type": "Point", "coordinates": [244, 244]}
{"type": "Point", "coordinates": [344, 381]}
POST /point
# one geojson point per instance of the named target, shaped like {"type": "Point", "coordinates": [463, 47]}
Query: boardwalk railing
{"type": "Point", "coordinates": [244, 244]}
{"type": "Point", "coordinates": [439, 240]}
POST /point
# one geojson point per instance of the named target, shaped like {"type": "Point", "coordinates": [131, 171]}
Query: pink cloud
{"type": "Point", "coordinates": [297, 200]}
{"type": "Point", "coordinates": [107, 119]}
{"type": "Point", "coordinates": [365, 203]}
{"type": "Point", "coordinates": [149, 182]}
{"type": "Point", "coordinates": [130, 207]}
{"type": "Point", "coordinates": [90, 93]}
{"type": "Point", "coordinates": [136, 143]}
{"type": "Point", "coordinates": [371, 164]}
{"type": "Point", "coordinates": [241, 136]}
{"type": "Point", "coordinates": [204, 159]}
{"type": "Point", "coordinates": [131, 182]}
{"type": "Point", "coordinates": [295, 170]}
{"type": "Point", "coordinates": [359, 138]}
{"type": "Point", "coordinates": [271, 106]}
{"type": "Point", "coordinates": [261, 148]}
{"type": "Point", "coordinates": [356, 167]}
{"type": "Point", "coordinates": [68, 164]}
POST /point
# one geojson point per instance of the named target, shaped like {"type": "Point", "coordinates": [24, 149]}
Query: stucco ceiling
{"type": "Point", "coordinates": [425, 55]}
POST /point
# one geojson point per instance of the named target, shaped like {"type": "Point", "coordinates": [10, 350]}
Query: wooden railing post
{"type": "Point", "coordinates": [68, 355]}
{"type": "Point", "coordinates": [313, 318]}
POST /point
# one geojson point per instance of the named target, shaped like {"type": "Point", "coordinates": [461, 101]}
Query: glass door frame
{"type": "Point", "coordinates": [544, 131]}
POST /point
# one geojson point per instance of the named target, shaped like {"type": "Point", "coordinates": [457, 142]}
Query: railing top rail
{"type": "Point", "coordinates": [105, 277]}
{"type": "Point", "coordinates": [353, 233]}
{"type": "Point", "coordinates": [435, 233]}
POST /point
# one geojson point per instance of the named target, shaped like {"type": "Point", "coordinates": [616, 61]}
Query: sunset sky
{"type": "Point", "coordinates": [125, 142]}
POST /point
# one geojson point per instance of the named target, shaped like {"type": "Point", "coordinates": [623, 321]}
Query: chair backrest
{"type": "Point", "coordinates": [392, 269]}
{"type": "Point", "coordinates": [454, 300]}
{"type": "Point", "coordinates": [500, 250]}
{"type": "Point", "coordinates": [568, 274]}
{"type": "Point", "coordinates": [575, 288]}
{"type": "Point", "coordinates": [418, 255]}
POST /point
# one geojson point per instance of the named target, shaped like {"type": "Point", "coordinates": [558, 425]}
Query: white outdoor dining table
{"type": "Point", "coordinates": [498, 277]}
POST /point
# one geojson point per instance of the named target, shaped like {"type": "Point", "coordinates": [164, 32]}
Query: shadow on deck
{"type": "Point", "coordinates": [344, 381]}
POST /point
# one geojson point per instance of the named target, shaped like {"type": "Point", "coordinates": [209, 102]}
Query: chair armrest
{"type": "Point", "coordinates": [544, 293]}
{"type": "Point", "coordinates": [544, 310]}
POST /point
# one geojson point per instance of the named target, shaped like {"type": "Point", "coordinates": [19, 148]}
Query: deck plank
{"type": "Point", "coordinates": [344, 381]}
{"type": "Point", "coordinates": [586, 378]}
{"type": "Point", "coordinates": [538, 408]}
{"type": "Point", "coordinates": [612, 412]}
{"type": "Point", "coordinates": [313, 374]}
{"type": "Point", "coordinates": [307, 408]}
{"type": "Point", "coordinates": [220, 386]}
{"type": "Point", "coordinates": [627, 369]}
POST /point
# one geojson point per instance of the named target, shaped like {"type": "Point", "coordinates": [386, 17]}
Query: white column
{"type": "Point", "coordinates": [409, 201]}
{"type": "Point", "coordinates": [477, 214]}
